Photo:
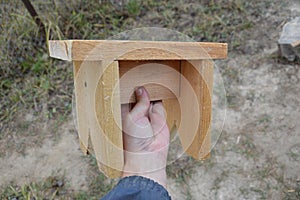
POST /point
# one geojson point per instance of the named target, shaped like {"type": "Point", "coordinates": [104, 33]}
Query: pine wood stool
{"type": "Point", "coordinates": [106, 73]}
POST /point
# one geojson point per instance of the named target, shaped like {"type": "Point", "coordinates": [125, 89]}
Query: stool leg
{"type": "Point", "coordinates": [83, 106]}
{"type": "Point", "coordinates": [172, 109]}
{"type": "Point", "coordinates": [99, 114]}
{"type": "Point", "coordinates": [199, 74]}
{"type": "Point", "coordinates": [108, 112]}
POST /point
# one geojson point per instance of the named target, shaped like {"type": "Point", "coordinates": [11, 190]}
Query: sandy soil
{"type": "Point", "coordinates": [258, 154]}
{"type": "Point", "coordinates": [60, 157]}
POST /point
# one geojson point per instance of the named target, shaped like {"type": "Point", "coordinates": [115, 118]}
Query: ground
{"type": "Point", "coordinates": [258, 153]}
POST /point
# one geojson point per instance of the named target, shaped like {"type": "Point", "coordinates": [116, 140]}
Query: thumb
{"type": "Point", "coordinates": [141, 108]}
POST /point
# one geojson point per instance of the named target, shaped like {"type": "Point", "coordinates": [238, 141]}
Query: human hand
{"type": "Point", "coordinates": [146, 138]}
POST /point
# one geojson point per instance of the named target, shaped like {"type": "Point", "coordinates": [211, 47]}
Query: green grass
{"type": "Point", "coordinates": [58, 187]}
{"type": "Point", "coordinates": [48, 189]}
{"type": "Point", "coordinates": [133, 7]}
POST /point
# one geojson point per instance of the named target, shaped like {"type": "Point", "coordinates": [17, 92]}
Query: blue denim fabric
{"type": "Point", "coordinates": [137, 188]}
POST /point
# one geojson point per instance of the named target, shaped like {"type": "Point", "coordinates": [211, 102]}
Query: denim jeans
{"type": "Point", "coordinates": [137, 188]}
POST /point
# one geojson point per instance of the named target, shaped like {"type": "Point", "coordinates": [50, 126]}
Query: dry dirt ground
{"type": "Point", "coordinates": [256, 157]}
{"type": "Point", "coordinates": [258, 153]}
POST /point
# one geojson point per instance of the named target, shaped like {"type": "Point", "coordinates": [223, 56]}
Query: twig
{"type": "Point", "coordinates": [35, 16]}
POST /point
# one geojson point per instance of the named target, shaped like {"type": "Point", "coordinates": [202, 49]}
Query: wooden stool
{"type": "Point", "coordinates": [106, 73]}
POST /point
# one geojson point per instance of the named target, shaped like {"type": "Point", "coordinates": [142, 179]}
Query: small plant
{"type": "Point", "coordinates": [133, 8]}
{"type": "Point", "coordinates": [49, 189]}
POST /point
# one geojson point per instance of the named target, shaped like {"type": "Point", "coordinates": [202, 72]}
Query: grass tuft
{"type": "Point", "coordinates": [51, 188]}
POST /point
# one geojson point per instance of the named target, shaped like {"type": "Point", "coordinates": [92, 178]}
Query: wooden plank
{"type": "Point", "coordinates": [160, 78]}
{"type": "Point", "coordinates": [109, 146]}
{"type": "Point", "coordinates": [207, 71]}
{"type": "Point", "coordinates": [172, 108]}
{"type": "Point", "coordinates": [98, 117]}
{"type": "Point", "coordinates": [61, 49]}
{"type": "Point", "coordinates": [103, 49]}
{"type": "Point", "coordinates": [83, 106]}
{"type": "Point", "coordinates": [197, 107]}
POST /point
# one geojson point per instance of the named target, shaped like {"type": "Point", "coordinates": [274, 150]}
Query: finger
{"type": "Point", "coordinates": [125, 108]}
{"type": "Point", "coordinates": [141, 109]}
{"type": "Point", "coordinates": [157, 118]}
{"type": "Point", "coordinates": [157, 113]}
{"type": "Point", "coordinates": [158, 108]}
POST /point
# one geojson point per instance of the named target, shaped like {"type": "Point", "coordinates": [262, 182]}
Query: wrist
{"type": "Point", "coordinates": [149, 165]}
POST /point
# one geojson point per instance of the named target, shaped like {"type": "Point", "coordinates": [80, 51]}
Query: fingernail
{"type": "Point", "coordinates": [139, 91]}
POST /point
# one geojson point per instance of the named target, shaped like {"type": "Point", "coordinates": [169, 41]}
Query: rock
{"type": "Point", "coordinates": [289, 42]}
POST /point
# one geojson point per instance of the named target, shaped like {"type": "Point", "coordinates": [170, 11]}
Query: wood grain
{"type": "Point", "coordinates": [109, 146]}
{"type": "Point", "coordinates": [173, 113]}
{"type": "Point", "coordinates": [199, 75]}
{"type": "Point", "coordinates": [140, 50]}
{"type": "Point", "coordinates": [82, 107]}
{"type": "Point", "coordinates": [99, 114]}
{"type": "Point", "coordinates": [160, 78]}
